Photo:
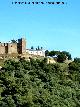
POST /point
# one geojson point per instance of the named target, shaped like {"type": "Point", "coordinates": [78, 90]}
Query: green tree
{"type": "Point", "coordinates": [77, 60]}
{"type": "Point", "coordinates": [46, 53]}
{"type": "Point", "coordinates": [32, 47]}
{"type": "Point", "coordinates": [38, 84]}
{"type": "Point", "coordinates": [61, 57]}
{"type": "Point", "coordinates": [67, 54]}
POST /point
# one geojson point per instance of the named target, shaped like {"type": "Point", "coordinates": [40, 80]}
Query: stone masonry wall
{"type": "Point", "coordinates": [13, 47]}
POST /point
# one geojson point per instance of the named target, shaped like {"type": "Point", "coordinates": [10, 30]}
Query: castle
{"type": "Point", "coordinates": [13, 47]}
{"type": "Point", "coordinates": [19, 47]}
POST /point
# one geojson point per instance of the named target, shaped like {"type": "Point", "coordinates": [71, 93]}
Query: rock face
{"type": "Point", "coordinates": [51, 60]}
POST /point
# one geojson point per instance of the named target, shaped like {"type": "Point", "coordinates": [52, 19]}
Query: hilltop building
{"type": "Point", "coordinates": [35, 52]}
{"type": "Point", "coordinates": [19, 47]}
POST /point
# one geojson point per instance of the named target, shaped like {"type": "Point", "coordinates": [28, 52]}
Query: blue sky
{"type": "Point", "coordinates": [54, 27]}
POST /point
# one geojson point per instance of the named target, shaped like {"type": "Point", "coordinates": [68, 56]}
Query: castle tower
{"type": "Point", "coordinates": [21, 46]}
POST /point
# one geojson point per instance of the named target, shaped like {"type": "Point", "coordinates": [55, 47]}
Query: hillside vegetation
{"type": "Point", "coordinates": [38, 84]}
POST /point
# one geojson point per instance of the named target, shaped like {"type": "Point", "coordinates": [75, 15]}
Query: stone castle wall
{"type": "Point", "coordinates": [13, 47]}
{"type": "Point", "coordinates": [2, 48]}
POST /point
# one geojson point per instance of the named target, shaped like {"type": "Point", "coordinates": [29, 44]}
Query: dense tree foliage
{"type": "Point", "coordinates": [61, 55]}
{"type": "Point", "coordinates": [77, 60]}
{"type": "Point", "coordinates": [67, 54]}
{"type": "Point", "coordinates": [38, 84]}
